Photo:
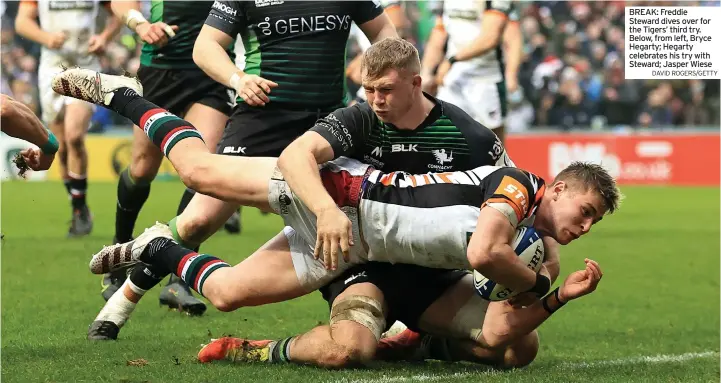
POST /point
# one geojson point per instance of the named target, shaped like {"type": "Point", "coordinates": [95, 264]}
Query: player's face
{"type": "Point", "coordinates": [391, 95]}
{"type": "Point", "coordinates": [574, 211]}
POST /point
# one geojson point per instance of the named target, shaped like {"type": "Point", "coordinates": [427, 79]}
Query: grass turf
{"type": "Point", "coordinates": [659, 296]}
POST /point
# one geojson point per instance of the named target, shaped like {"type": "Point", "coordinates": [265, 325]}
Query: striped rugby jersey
{"type": "Point", "coordinates": [427, 219]}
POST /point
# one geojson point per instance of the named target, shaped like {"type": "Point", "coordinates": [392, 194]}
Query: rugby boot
{"type": "Point", "coordinates": [103, 330]}
{"type": "Point", "coordinates": [122, 255]}
{"type": "Point", "coordinates": [406, 345]}
{"type": "Point", "coordinates": [91, 86]}
{"type": "Point", "coordinates": [81, 224]}
{"type": "Point", "coordinates": [235, 350]}
{"type": "Point", "coordinates": [176, 295]}
{"type": "Point", "coordinates": [111, 282]}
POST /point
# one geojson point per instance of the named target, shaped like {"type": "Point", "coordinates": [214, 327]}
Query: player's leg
{"type": "Point", "coordinates": [250, 132]}
{"type": "Point", "coordinates": [209, 115]}
{"type": "Point", "coordinates": [202, 218]}
{"type": "Point", "coordinates": [134, 184]}
{"type": "Point", "coordinates": [132, 192]}
{"type": "Point", "coordinates": [53, 112]}
{"type": "Point", "coordinates": [282, 269]}
{"type": "Point", "coordinates": [212, 104]}
{"type": "Point", "coordinates": [357, 320]}
{"type": "Point", "coordinates": [76, 122]}
{"type": "Point", "coordinates": [237, 179]}
{"type": "Point", "coordinates": [62, 154]}
{"type": "Point", "coordinates": [144, 277]}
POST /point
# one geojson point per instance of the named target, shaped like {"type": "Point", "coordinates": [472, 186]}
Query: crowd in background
{"type": "Point", "coordinates": [572, 73]}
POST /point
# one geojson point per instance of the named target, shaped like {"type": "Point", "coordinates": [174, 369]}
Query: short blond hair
{"type": "Point", "coordinates": [589, 176]}
{"type": "Point", "coordinates": [390, 53]}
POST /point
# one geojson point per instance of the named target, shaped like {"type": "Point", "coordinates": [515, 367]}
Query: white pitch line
{"type": "Point", "coordinates": [645, 359]}
{"type": "Point", "coordinates": [654, 359]}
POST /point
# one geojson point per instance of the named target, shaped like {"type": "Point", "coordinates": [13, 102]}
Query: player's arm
{"type": "Point", "coordinates": [494, 20]}
{"type": "Point", "coordinates": [397, 17]}
{"type": "Point", "coordinates": [504, 323]}
{"type": "Point", "coordinates": [335, 135]}
{"type": "Point", "coordinates": [209, 52]}
{"type": "Point", "coordinates": [112, 24]}
{"type": "Point", "coordinates": [156, 34]}
{"type": "Point", "coordinates": [374, 23]}
{"type": "Point", "coordinates": [433, 52]}
{"type": "Point", "coordinates": [513, 41]}
{"type": "Point", "coordinates": [17, 120]}
{"type": "Point", "coordinates": [26, 25]}
{"type": "Point", "coordinates": [338, 134]}
{"type": "Point", "coordinates": [507, 202]}
{"type": "Point", "coordinates": [490, 252]}
{"type": "Point", "coordinates": [20, 122]}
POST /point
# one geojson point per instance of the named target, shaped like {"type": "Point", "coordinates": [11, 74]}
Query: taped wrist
{"type": "Point", "coordinates": [133, 18]}
{"type": "Point", "coordinates": [235, 81]}
{"type": "Point", "coordinates": [558, 301]}
{"type": "Point", "coordinates": [543, 284]}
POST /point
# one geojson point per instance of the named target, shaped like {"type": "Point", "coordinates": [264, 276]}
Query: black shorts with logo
{"type": "Point", "coordinates": [176, 89]}
{"type": "Point", "coordinates": [265, 131]}
{"type": "Point", "coordinates": [408, 289]}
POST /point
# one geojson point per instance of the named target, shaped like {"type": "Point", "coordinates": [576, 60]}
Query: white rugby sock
{"type": "Point", "coordinates": [118, 308]}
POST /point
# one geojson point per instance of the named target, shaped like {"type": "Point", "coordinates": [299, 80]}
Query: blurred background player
{"type": "Point", "coordinates": [277, 101]}
{"type": "Point", "coordinates": [173, 81]}
{"type": "Point", "coordinates": [66, 31]}
{"type": "Point", "coordinates": [473, 73]}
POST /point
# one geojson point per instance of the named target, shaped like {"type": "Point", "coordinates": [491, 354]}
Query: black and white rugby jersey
{"type": "Point", "coordinates": [427, 219]}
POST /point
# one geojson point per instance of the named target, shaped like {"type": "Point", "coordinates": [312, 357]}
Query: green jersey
{"type": "Point", "coordinates": [189, 16]}
{"type": "Point", "coordinates": [300, 45]}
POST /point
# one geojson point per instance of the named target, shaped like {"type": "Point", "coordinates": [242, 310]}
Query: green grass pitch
{"type": "Point", "coordinates": [654, 317]}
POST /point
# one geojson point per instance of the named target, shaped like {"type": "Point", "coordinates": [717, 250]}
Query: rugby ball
{"type": "Point", "coordinates": [528, 246]}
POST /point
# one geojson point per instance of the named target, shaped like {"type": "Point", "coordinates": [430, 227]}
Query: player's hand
{"type": "Point", "coordinates": [97, 44]}
{"type": "Point", "coordinates": [156, 34]}
{"type": "Point", "coordinates": [254, 89]}
{"type": "Point", "coordinates": [55, 40]}
{"type": "Point", "coordinates": [526, 299]}
{"type": "Point", "coordinates": [334, 233]}
{"type": "Point", "coordinates": [36, 159]}
{"type": "Point", "coordinates": [442, 72]}
{"type": "Point", "coordinates": [581, 282]}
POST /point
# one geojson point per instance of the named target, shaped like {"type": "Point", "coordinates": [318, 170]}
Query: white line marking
{"type": "Point", "coordinates": [645, 359]}
{"type": "Point", "coordinates": [654, 359]}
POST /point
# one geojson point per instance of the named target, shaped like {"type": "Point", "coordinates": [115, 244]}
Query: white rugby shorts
{"type": "Point", "coordinates": [484, 101]}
